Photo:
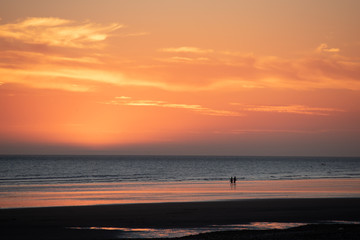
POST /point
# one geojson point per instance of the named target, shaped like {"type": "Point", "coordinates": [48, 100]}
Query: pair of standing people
{"type": "Point", "coordinates": [233, 179]}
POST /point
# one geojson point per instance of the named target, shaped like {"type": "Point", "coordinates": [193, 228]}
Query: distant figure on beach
{"type": "Point", "coordinates": [231, 180]}
{"type": "Point", "coordinates": [234, 179]}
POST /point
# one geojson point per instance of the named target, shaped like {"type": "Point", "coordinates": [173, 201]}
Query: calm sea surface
{"type": "Point", "coordinates": [15, 170]}
{"type": "Point", "coordinates": [39, 181]}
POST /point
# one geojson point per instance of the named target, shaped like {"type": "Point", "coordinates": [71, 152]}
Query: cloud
{"type": "Point", "coordinates": [32, 63]}
{"type": "Point", "coordinates": [227, 70]}
{"type": "Point", "coordinates": [307, 73]}
{"type": "Point", "coordinates": [266, 131]}
{"type": "Point", "coordinates": [128, 101]}
{"type": "Point", "coordinates": [181, 74]}
{"type": "Point", "coordinates": [324, 48]}
{"type": "Point", "coordinates": [57, 32]}
{"type": "Point", "coordinates": [123, 97]}
{"type": "Point", "coordinates": [54, 77]}
{"type": "Point", "coordinates": [28, 57]}
{"type": "Point", "coordinates": [262, 131]}
{"type": "Point", "coordinates": [293, 109]}
{"type": "Point", "coordinates": [187, 50]}
{"type": "Point", "coordinates": [177, 59]}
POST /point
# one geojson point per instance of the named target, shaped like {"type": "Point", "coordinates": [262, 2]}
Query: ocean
{"type": "Point", "coordinates": [15, 170]}
{"type": "Point", "coordinates": [27, 181]}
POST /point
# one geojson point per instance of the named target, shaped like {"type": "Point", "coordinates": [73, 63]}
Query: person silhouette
{"type": "Point", "coordinates": [234, 179]}
{"type": "Point", "coordinates": [231, 180]}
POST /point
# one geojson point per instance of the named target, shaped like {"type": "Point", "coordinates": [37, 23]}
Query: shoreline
{"type": "Point", "coordinates": [54, 222]}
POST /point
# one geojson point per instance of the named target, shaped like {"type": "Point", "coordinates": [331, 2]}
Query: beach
{"type": "Point", "coordinates": [95, 222]}
{"type": "Point", "coordinates": [309, 232]}
{"type": "Point", "coordinates": [126, 197]}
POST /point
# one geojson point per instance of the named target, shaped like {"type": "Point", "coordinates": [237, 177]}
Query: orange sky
{"type": "Point", "coordinates": [227, 77]}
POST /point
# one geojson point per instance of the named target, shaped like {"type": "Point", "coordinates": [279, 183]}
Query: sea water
{"type": "Point", "coordinates": [92, 169]}
{"type": "Point", "coordinates": [86, 180]}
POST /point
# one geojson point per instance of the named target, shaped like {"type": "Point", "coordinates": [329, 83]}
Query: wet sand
{"type": "Point", "coordinates": [54, 222]}
{"type": "Point", "coordinates": [51, 195]}
{"type": "Point", "coordinates": [308, 232]}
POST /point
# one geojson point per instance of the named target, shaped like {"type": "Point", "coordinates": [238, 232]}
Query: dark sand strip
{"type": "Point", "coordinates": [309, 232]}
{"type": "Point", "coordinates": [52, 222]}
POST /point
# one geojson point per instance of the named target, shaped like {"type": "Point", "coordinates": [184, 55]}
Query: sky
{"type": "Point", "coordinates": [209, 77]}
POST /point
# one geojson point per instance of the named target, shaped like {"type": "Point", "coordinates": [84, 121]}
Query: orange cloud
{"type": "Point", "coordinates": [269, 131]}
{"type": "Point", "coordinates": [324, 48]}
{"type": "Point", "coordinates": [77, 67]}
{"type": "Point", "coordinates": [294, 109]}
{"type": "Point", "coordinates": [181, 73]}
{"type": "Point", "coordinates": [237, 72]}
{"type": "Point", "coordinates": [128, 101]}
{"type": "Point", "coordinates": [57, 32]}
{"type": "Point", "coordinates": [187, 50]}
{"type": "Point", "coordinates": [72, 79]}
{"type": "Point", "coordinates": [178, 59]}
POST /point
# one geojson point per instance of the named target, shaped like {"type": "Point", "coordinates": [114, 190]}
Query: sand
{"type": "Point", "coordinates": [77, 194]}
{"type": "Point", "coordinates": [308, 232]}
{"type": "Point", "coordinates": [54, 222]}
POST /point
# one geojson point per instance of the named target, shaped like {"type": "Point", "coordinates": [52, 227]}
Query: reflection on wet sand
{"type": "Point", "coordinates": [13, 196]}
{"type": "Point", "coordinates": [173, 232]}
{"type": "Point", "coordinates": [180, 232]}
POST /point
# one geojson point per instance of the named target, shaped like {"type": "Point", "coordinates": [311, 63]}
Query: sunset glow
{"type": "Point", "coordinates": [180, 77]}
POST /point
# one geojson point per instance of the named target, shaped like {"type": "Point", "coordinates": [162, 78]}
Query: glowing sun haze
{"type": "Point", "coordinates": [226, 77]}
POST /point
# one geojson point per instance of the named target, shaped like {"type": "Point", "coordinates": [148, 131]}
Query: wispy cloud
{"type": "Point", "coordinates": [279, 131]}
{"type": "Point", "coordinates": [325, 48]}
{"type": "Point", "coordinates": [44, 78]}
{"type": "Point", "coordinates": [293, 109]}
{"type": "Point", "coordinates": [128, 101]}
{"type": "Point", "coordinates": [186, 50]}
{"type": "Point", "coordinates": [27, 57]}
{"type": "Point", "coordinates": [57, 32]}
{"type": "Point", "coordinates": [223, 70]}
{"type": "Point", "coordinates": [178, 59]}
{"type": "Point", "coordinates": [24, 60]}
{"type": "Point", "coordinates": [181, 73]}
